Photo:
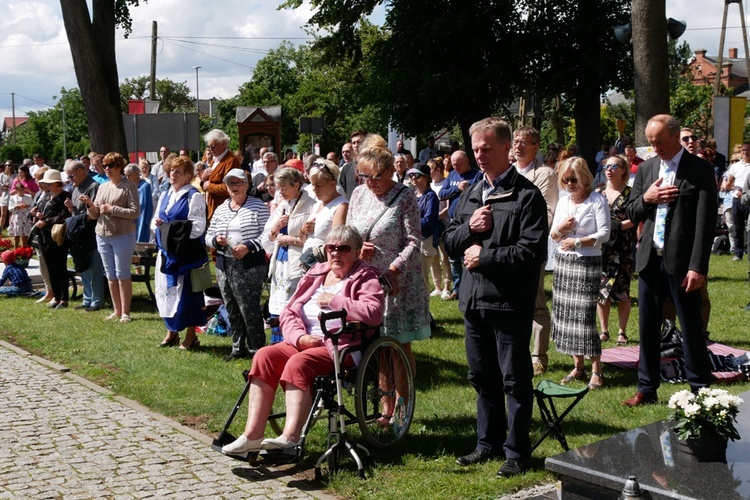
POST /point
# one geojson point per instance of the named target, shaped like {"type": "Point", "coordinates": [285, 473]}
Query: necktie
{"type": "Point", "coordinates": [661, 213]}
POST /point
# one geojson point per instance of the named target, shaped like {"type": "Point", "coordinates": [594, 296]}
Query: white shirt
{"type": "Point", "coordinates": [740, 171]}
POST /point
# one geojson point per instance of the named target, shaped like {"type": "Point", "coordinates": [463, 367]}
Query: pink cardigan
{"type": "Point", "coordinates": [362, 297]}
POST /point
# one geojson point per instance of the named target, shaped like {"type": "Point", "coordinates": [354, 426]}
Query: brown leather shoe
{"type": "Point", "coordinates": [641, 399]}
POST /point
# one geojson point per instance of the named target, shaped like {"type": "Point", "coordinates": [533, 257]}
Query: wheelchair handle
{"type": "Point", "coordinates": [325, 317]}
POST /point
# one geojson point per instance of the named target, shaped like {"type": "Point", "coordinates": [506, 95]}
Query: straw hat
{"type": "Point", "coordinates": [51, 176]}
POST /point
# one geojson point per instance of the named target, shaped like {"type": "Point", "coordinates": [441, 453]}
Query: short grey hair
{"type": "Point", "coordinates": [74, 165]}
{"type": "Point", "coordinates": [216, 135]}
{"type": "Point", "coordinates": [132, 168]}
{"type": "Point", "coordinates": [345, 234]}
{"type": "Point", "coordinates": [271, 154]}
{"type": "Point", "coordinates": [289, 175]}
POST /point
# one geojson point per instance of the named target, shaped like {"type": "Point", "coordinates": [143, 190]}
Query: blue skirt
{"type": "Point", "coordinates": [190, 309]}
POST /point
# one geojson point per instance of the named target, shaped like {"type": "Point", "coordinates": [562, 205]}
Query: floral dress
{"type": "Point", "coordinates": [617, 254]}
{"type": "Point", "coordinates": [20, 220]}
{"type": "Point", "coordinates": [396, 236]}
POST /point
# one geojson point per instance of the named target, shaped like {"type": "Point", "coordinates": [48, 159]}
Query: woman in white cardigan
{"type": "Point", "coordinates": [281, 237]}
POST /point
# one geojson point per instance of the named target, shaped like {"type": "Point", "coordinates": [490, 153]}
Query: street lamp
{"type": "Point", "coordinates": [197, 98]}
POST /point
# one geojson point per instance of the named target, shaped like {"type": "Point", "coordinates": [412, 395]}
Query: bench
{"type": "Point", "coordinates": [144, 256]}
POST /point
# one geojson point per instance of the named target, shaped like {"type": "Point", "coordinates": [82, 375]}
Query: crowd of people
{"type": "Point", "coordinates": [379, 233]}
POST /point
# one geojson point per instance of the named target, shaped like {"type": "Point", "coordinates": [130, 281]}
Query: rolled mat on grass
{"type": "Point", "coordinates": [627, 357]}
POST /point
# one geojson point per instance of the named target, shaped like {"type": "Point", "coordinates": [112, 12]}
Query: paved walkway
{"type": "Point", "coordinates": [63, 437]}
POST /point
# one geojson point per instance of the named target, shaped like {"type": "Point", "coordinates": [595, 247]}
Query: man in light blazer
{"type": "Point", "coordinates": [674, 195]}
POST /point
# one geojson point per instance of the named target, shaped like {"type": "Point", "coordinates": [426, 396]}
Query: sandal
{"type": "Point", "coordinates": [576, 374]}
{"type": "Point", "coordinates": [113, 316]}
{"type": "Point", "coordinates": [172, 341]}
{"type": "Point", "coordinates": [594, 386]}
{"type": "Point", "coordinates": [195, 343]}
{"type": "Point", "coordinates": [125, 318]}
{"type": "Point", "coordinates": [604, 337]}
{"type": "Point", "coordinates": [622, 339]}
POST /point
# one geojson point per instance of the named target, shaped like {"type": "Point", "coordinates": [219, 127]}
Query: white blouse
{"type": "Point", "coordinates": [592, 220]}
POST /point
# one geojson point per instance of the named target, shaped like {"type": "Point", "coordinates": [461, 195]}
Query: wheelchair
{"type": "Point", "coordinates": [382, 377]}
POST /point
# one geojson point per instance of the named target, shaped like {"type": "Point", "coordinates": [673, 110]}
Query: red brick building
{"type": "Point", "coordinates": [733, 74]}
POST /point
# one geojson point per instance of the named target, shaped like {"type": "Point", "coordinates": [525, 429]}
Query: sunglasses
{"type": "Point", "coordinates": [337, 248]}
{"type": "Point", "coordinates": [109, 165]}
{"type": "Point", "coordinates": [364, 177]}
{"type": "Point", "coordinates": [324, 168]}
{"type": "Point", "coordinates": [214, 146]}
{"type": "Point", "coordinates": [570, 180]}
{"type": "Point", "coordinates": [689, 138]}
{"type": "Point", "coordinates": [611, 166]}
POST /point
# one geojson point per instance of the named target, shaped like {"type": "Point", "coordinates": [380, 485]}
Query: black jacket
{"type": "Point", "coordinates": [513, 251]}
{"type": "Point", "coordinates": [691, 218]}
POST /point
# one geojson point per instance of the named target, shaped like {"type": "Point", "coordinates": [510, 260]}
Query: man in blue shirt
{"type": "Point", "coordinates": [461, 177]}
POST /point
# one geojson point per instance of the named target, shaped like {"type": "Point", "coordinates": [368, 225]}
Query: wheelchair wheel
{"type": "Point", "coordinates": [384, 393]}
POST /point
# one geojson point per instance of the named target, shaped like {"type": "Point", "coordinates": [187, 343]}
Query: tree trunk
{"type": "Point", "coordinates": [92, 45]}
{"type": "Point", "coordinates": [588, 118]}
{"type": "Point", "coordinates": [650, 63]}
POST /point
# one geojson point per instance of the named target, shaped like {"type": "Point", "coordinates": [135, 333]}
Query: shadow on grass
{"type": "Point", "coordinates": [432, 371]}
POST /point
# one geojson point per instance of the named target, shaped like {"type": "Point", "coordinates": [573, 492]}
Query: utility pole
{"type": "Point", "coordinates": [152, 88]}
{"type": "Point", "coordinates": [197, 95]}
{"type": "Point", "coordinates": [720, 60]}
{"type": "Point", "coordinates": [13, 113]}
{"type": "Point", "coordinates": [65, 135]}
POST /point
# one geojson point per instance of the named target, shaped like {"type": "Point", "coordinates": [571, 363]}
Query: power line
{"type": "Point", "coordinates": [213, 56]}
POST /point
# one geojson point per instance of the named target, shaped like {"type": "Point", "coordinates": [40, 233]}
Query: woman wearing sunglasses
{"type": "Point", "coordinates": [344, 281]}
{"type": "Point", "coordinates": [617, 253]}
{"type": "Point", "coordinates": [386, 213]}
{"type": "Point", "coordinates": [580, 227]}
{"type": "Point", "coordinates": [116, 209]}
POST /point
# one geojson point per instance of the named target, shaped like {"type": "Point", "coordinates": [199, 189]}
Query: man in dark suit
{"type": "Point", "coordinates": [674, 195]}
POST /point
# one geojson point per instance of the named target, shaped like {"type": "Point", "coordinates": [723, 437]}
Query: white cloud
{"type": "Point", "coordinates": [37, 62]}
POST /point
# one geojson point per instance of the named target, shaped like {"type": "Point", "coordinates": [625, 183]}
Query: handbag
{"type": "Point", "coordinates": [200, 278]}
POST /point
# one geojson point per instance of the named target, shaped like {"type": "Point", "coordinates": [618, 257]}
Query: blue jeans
{"type": "Point", "coordinates": [457, 267]}
{"type": "Point", "coordinates": [93, 282]}
{"type": "Point", "coordinates": [117, 255]}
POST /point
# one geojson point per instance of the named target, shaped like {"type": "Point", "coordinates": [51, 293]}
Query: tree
{"type": "Point", "coordinates": [172, 96]}
{"type": "Point", "coordinates": [91, 36]}
{"type": "Point", "coordinates": [44, 131]}
{"type": "Point", "coordinates": [571, 51]}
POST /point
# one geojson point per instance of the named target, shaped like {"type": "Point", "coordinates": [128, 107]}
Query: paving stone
{"type": "Point", "coordinates": [63, 439]}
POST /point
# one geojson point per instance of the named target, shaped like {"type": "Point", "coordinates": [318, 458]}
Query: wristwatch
{"type": "Point", "coordinates": [578, 243]}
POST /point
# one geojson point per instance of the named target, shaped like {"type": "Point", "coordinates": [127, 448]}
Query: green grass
{"type": "Point", "coordinates": [199, 389]}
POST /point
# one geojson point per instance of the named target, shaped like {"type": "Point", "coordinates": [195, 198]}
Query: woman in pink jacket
{"type": "Point", "coordinates": [343, 282]}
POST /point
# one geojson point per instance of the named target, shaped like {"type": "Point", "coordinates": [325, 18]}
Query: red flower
{"type": "Point", "coordinates": [6, 244]}
{"type": "Point", "coordinates": [24, 253]}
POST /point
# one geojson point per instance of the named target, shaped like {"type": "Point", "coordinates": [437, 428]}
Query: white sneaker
{"type": "Point", "coordinates": [446, 295]}
{"type": "Point", "coordinates": [436, 293]}
{"type": "Point", "coordinates": [279, 443]}
{"type": "Point", "coordinates": [242, 445]}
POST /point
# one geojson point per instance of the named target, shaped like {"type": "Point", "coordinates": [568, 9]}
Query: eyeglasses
{"type": "Point", "coordinates": [611, 166]}
{"type": "Point", "coordinates": [570, 180]}
{"type": "Point", "coordinates": [337, 248]}
{"type": "Point", "coordinates": [523, 144]}
{"type": "Point", "coordinates": [414, 176]}
{"type": "Point", "coordinates": [235, 183]}
{"type": "Point", "coordinates": [213, 146]}
{"type": "Point", "coordinates": [109, 165]}
{"type": "Point", "coordinates": [689, 138]}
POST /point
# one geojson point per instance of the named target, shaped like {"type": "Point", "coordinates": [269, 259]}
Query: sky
{"type": "Point", "coordinates": [35, 61]}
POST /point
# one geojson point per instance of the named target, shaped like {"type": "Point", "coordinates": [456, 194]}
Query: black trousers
{"type": "Point", "coordinates": [497, 350]}
{"type": "Point", "coordinates": [655, 284]}
{"type": "Point", "coordinates": [56, 258]}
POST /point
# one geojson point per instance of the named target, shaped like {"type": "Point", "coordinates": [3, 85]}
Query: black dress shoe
{"type": "Point", "coordinates": [92, 308]}
{"type": "Point", "coordinates": [475, 457]}
{"type": "Point", "coordinates": [81, 306]}
{"type": "Point", "coordinates": [512, 467]}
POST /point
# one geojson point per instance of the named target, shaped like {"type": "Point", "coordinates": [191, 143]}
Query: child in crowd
{"type": "Point", "coordinates": [17, 275]}
{"type": "Point", "coordinates": [20, 223]}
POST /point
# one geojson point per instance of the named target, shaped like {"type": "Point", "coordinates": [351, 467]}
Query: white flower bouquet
{"type": "Point", "coordinates": [712, 412]}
